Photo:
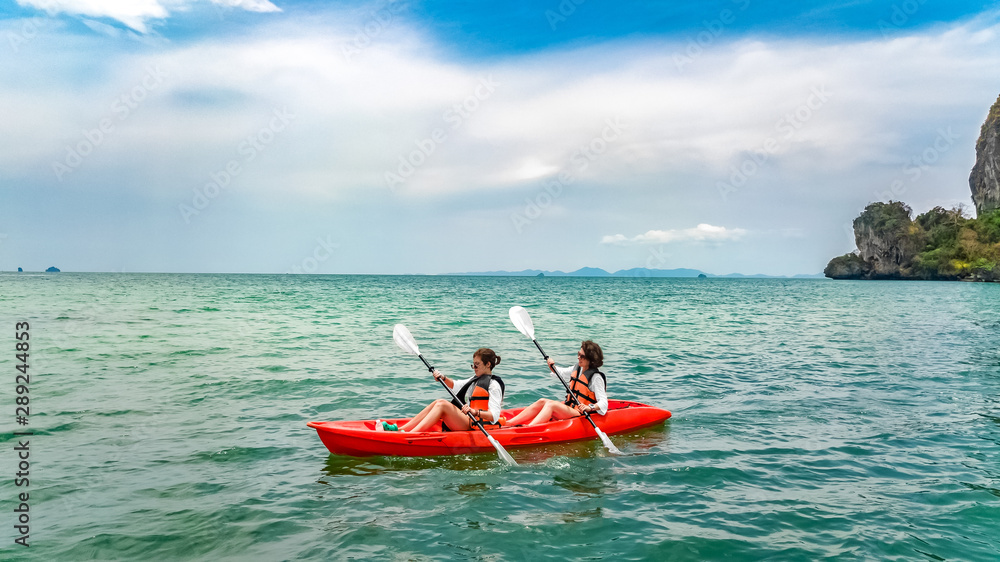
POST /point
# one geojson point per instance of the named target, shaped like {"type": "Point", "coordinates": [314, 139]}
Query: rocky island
{"type": "Point", "coordinates": [941, 244]}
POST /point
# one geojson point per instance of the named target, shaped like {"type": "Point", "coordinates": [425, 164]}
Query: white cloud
{"type": "Point", "coordinates": [359, 114]}
{"type": "Point", "coordinates": [132, 13]}
{"type": "Point", "coordinates": [249, 5]}
{"type": "Point", "coordinates": [135, 13]}
{"type": "Point", "coordinates": [355, 115]}
{"type": "Point", "coordinates": [701, 233]}
{"type": "Point", "coordinates": [102, 28]}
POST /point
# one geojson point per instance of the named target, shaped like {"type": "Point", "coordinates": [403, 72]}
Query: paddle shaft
{"type": "Point", "coordinates": [568, 391]}
{"type": "Point", "coordinates": [479, 424]}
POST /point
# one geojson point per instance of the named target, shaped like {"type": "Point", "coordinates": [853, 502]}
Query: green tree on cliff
{"type": "Point", "coordinates": [941, 244]}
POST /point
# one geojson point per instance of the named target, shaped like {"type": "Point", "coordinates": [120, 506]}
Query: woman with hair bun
{"type": "Point", "coordinates": [482, 394]}
{"type": "Point", "coordinates": [585, 380]}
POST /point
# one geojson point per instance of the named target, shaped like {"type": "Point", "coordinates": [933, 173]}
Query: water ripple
{"type": "Point", "coordinates": [812, 419]}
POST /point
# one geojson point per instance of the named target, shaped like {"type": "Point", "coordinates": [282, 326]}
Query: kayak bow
{"type": "Point", "coordinates": [359, 438]}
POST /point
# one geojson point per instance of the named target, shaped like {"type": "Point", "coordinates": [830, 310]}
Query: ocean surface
{"type": "Point", "coordinates": [812, 419]}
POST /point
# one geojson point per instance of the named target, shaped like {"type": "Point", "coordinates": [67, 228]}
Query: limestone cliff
{"type": "Point", "coordinates": [940, 244]}
{"type": "Point", "coordinates": [985, 177]}
{"type": "Point", "coordinates": [883, 234]}
{"type": "Point", "coordinates": [847, 266]}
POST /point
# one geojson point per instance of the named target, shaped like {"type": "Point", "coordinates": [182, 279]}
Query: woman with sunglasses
{"type": "Point", "coordinates": [585, 380]}
{"type": "Point", "coordinates": [482, 394]}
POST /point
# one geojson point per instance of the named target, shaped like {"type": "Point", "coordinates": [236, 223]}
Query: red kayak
{"type": "Point", "coordinates": [359, 438]}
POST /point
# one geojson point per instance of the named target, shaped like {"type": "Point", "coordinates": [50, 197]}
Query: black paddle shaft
{"type": "Point", "coordinates": [540, 349]}
{"type": "Point", "coordinates": [479, 424]}
{"type": "Point", "coordinates": [429, 368]}
{"type": "Point", "coordinates": [568, 391]}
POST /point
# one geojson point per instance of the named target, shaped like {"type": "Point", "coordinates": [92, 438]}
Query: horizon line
{"type": "Point", "coordinates": [556, 273]}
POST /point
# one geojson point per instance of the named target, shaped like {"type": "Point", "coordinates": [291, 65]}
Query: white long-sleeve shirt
{"type": "Point", "coordinates": [596, 386]}
{"type": "Point", "coordinates": [496, 397]}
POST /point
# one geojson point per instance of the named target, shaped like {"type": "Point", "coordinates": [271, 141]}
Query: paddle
{"type": "Point", "coordinates": [405, 341]}
{"type": "Point", "coordinates": [519, 316]}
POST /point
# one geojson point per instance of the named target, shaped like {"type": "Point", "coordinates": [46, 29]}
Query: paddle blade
{"type": "Point", "coordinates": [607, 442]}
{"type": "Point", "coordinates": [519, 316]}
{"type": "Point", "coordinates": [404, 340]}
{"type": "Point", "coordinates": [501, 451]}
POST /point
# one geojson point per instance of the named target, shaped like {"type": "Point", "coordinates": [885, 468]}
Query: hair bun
{"type": "Point", "coordinates": [497, 362]}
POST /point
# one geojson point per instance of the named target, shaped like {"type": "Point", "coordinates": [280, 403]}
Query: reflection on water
{"type": "Point", "coordinates": [639, 442]}
{"type": "Point", "coordinates": [644, 440]}
{"type": "Point", "coordinates": [588, 478]}
{"type": "Point", "coordinates": [818, 420]}
{"type": "Point", "coordinates": [584, 515]}
{"type": "Point", "coordinates": [339, 465]}
{"type": "Point", "coordinates": [542, 454]}
{"type": "Point", "coordinates": [541, 518]}
{"type": "Point", "coordinates": [981, 488]}
{"type": "Point", "coordinates": [476, 489]}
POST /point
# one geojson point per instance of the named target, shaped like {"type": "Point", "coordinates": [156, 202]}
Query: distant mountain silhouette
{"type": "Point", "coordinates": [634, 272]}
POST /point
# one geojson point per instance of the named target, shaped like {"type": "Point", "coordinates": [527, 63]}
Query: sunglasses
{"type": "Point", "coordinates": [476, 365]}
{"type": "Point", "coordinates": [581, 356]}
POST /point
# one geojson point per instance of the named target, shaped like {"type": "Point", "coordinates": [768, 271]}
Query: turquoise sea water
{"type": "Point", "coordinates": [813, 419]}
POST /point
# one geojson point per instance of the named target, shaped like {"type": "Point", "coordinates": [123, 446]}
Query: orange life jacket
{"type": "Point", "coordinates": [479, 398]}
{"type": "Point", "coordinates": [579, 384]}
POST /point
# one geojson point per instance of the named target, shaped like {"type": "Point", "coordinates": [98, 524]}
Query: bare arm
{"type": "Point", "coordinates": [439, 376]}
{"type": "Point", "coordinates": [597, 385]}
{"type": "Point", "coordinates": [563, 373]}
{"type": "Point", "coordinates": [496, 400]}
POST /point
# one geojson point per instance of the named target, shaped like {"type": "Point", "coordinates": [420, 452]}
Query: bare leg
{"type": "Point", "coordinates": [528, 413]}
{"type": "Point", "coordinates": [554, 410]}
{"type": "Point", "coordinates": [441, 410]}
{"type": "Point", "coordinates": [420, 417]}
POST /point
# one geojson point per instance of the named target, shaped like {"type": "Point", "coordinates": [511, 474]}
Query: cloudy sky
{"type": "Point", "coordinates": [434, 137]}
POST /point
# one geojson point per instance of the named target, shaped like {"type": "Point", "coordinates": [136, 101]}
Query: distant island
{"type": "Point", "coordinates": [941, 244]}
{"type": "Point", "coordinates": [634, 272]}
{"type": "Point", "coordinates": [49, 270]}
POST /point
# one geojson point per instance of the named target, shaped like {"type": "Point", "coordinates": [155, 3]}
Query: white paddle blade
{"type": "Point", "coordinates": [501, 451]}
{"type": "Point", "coordinates": [607, 442]}
{"type": "Point", "coordinates": [519, 316]}
{"type": "Point", "coordinates": [404, 340]}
